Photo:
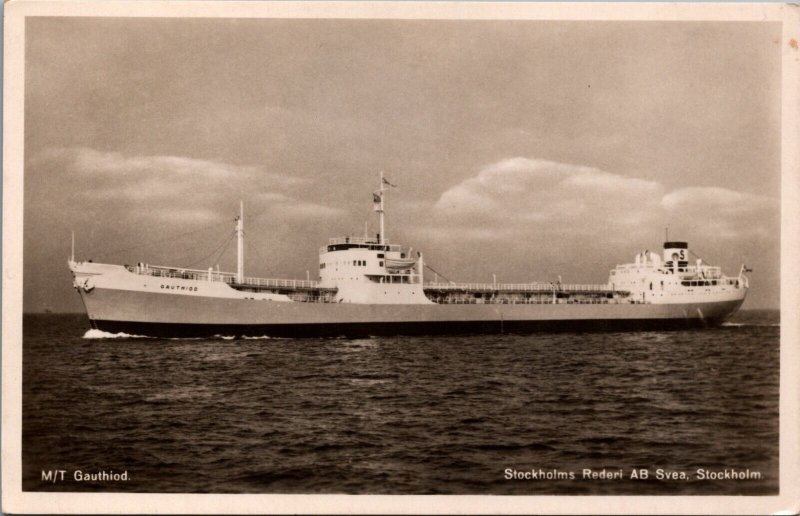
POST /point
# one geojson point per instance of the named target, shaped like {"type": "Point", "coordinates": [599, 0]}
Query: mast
{"type": "Point", "coordinates": [382, 189]}
{"type": "Point", "coordinates": [72, 254]}
{"type": "Point", "coordinates": [240, 244]}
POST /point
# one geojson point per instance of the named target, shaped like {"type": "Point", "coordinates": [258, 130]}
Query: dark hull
{"type": "Point", "coordinates": [366, 329]}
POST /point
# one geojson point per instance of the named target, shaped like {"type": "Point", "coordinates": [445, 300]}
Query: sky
{"type": "Point", "coordinates": [525, 149]}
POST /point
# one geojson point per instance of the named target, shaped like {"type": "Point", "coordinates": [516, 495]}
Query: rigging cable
{"type": "Point", "coordinates": [216, 260]}
{"type": "Point", "coordinates": [177, 235]}
{"type": "Point", "coordinates": [165, 239]}
{"type": "Point", "coordinates": [254, 249]}
{"type": "Point", "coordinates": [439, 273]}
{"type": "Point", "coordinates": [223, 246]}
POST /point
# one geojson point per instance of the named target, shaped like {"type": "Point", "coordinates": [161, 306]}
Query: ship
{"type": "Point", "coordinates": [367, 286]}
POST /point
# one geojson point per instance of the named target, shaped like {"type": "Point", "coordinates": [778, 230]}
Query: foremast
{"type": "Point", "coordinates": [240, 244]}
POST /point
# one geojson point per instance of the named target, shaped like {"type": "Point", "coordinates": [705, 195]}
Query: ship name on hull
{"type": "Point", "coordinates": [179, 287]}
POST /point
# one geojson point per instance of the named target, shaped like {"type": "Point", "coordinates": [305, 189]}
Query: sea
{"type": "Point", "coordinates": [542, 414]}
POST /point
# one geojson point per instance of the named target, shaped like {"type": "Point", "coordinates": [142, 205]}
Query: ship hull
{"type": "Point", "coordinates": [168, 315]}
{"type": "Point", "coordinates": [371, 329]}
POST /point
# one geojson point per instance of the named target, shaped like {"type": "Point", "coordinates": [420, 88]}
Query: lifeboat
{"type": "Point", "coordinates": [397, 264]}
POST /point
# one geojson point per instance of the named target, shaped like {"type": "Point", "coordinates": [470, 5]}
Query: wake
{"type": "Point", "coordinates": [100, 334]}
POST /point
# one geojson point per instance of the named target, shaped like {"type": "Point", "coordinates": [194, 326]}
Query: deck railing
{"type": "Point", "coordinates": [535, 301]}
{"type": "Point", "coordinates": [226, 277]}
{"type": "Point", "coordinates": [519, 287]}
{"type": "Point", "coordinates": [360, 241]}
{"type": "Point", "coordinates": [707, 271]}
{"type": "Point", "coordinates": [292, 284]}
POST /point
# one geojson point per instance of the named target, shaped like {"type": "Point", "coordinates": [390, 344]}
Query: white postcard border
{"type": "Point", "coordinates": [16, 501]}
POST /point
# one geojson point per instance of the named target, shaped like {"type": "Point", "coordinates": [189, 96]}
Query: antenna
{"type": "Point", "coordinates": [72, 255]}
{"type": "Point", "coordinates": [666, 234]}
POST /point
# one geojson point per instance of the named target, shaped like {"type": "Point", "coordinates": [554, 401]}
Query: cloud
{"type": "Point", "coordinates": [141, 177]}
{"type": "Point", "coordinates": [311, 210]}
{"type": "Point", "coordinates": [541, 200]}
{"type": "Point", "coordinates": [171, 187]}
{"type": "Point", "coordinates": [539, 197]}
{"type": "Point", "coordinates": [725, 213]}
{"type": "Point", "coordinates": [283, 206]}
{"type": "Point", "coordinates": [188, 215]}
{"type": "Point", "coordinates": [715, 199]}
{"type": "Point", "coordinates": [96, 163]}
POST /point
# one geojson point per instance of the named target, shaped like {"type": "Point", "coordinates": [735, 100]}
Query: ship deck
{"type": "Point", "coordinates": [440, 293]}
{"type": "Point", "coordinates": [247, 283]}
{"type": "Point", "coordinates": [521, 287]}
{"type": "Point", "coordinates": [523, 293]}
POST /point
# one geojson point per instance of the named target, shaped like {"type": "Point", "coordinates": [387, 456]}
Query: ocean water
{"type": "Point", "coordinates": [435, 415]}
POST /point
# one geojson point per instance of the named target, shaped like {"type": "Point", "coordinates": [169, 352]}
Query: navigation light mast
{"type": "Point", "coordinates": [382, 189]}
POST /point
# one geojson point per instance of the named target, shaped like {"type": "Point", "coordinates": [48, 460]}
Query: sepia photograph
{"type": "Point", "coordinates": [400, 250]}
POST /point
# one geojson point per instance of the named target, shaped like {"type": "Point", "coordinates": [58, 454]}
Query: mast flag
{"type": "Point", "coordinates": [387, 183]}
